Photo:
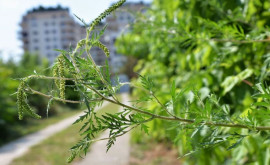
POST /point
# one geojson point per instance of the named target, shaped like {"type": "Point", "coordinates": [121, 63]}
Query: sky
{"type": "Point", "coordinates": [11, 12]}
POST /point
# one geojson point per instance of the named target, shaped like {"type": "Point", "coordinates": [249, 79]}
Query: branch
{"type": "Point", "coordinates": [48, 78]}
{"type": "Point", "coordinates": [239, 41]}
{"type": "Point", "coordinates": [191, 121]}
{"type": "Point", "coordinates": [163, 106]}
{"type": "Point", "coordinates": [124, 132]}
{"type": "Point", "coordinates": [59, 99]}
{"type": "Point", "coordinates": [154, 116]}
{"type": "Point", "coordinates": [95, 66]}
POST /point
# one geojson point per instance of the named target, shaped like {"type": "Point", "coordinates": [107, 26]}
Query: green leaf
{"type": "Point", "coordinates": [85, 24]}
{"type": "Point", "coordinates": [236, 144]}
{"type": "Point", "coordinates": [231, 81]}
{"type": "Point", "coordinates": [245, 74]}
{"type": "Point", "coordinates": [264, 104]}
{"type": "Point", "coordinates": [265, 96]}
{"type": "Point", "coordinates": [61, 51]}
{"type": "Point", "coordinates": [145, 128]}
{"type": "Point", "coordinates": [67, 61]}
{"type": "Point", "coordinates": [173, 89]}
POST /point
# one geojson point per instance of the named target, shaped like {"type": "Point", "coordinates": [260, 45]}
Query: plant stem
{"type": "Point", "coordinates": [87, 48]}
{"type": "Point", "coordinates": [48, 78]}
{"type": "Point", "coordinates": [163, 106]}
{"type": "Point", "coordinates": [191, 121]}
{"type": "Point", "coordinates": [59, 99]}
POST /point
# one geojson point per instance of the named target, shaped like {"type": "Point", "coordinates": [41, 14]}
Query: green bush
{"type": "Point", "coordinates": [10, 72]}
{"type": "Point", "coordinates": [203, 81]}
{"type": "Point", "coordinates": [219, 47]}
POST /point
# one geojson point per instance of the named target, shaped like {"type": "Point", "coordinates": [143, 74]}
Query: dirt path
{"type": "Point", "coordinates": [118, 155]}
{"type": "Point", "coordinates": [18, 147]}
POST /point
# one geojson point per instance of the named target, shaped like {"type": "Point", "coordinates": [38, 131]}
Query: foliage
{"type": "Point", "coordinates": [206, 47]}
{"type": "Point", "coordinates": [8, 113]}
{"type": "Point", "coordinates": [197, 70]}
{"type": "Point", "coordinates": [10, 71]}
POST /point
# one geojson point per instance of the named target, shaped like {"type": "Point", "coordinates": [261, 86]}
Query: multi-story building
{"type": "Point", "coordinates": [119, 23]}
{"type": "Point", "coordinates": [46, 29]}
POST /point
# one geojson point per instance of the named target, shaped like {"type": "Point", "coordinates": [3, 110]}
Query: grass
{"type": "Point", "coordinates": [55, 150]}
{"type": "Point", "coordinates": [33, 125]}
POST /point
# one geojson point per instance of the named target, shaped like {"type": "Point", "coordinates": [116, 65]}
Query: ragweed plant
{"type": "Point", "coordinates": [186, 109]}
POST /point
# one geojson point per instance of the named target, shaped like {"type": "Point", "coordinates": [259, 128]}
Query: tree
{"type": "Point", "coordinates": [198, 73]}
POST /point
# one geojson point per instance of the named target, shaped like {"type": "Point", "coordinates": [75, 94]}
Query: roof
{"type": "Point", "coordinates": [45, 9]}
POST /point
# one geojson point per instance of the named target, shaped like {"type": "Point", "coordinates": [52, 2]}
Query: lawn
{"type": "Point", "coordinates": [55, 150]}
{"type": "Point", "coordinates": [33, 125]}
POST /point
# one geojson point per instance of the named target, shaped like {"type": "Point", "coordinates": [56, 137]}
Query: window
{"type": "Point", "coordinates": [34, 24]}
{"type": "Point", "coordinates": [36, 48]}
{"type": "Point", "coordinates": [35, 40]}
{"type": "Point", "coordinates": [53, 31]}
{"type": "Point", "coordinates": [48, 47]}
{"type": "Point", "coordinates": [35, 32]}
{"type": "Point", "coordinates": [121, 18]}
{"type": "Point", "coordinates": [114, 39]}
{"type": "Point", "coordinates": [47, 39]}
{"type": "Point", "coordinates": [24, 34]}
{"type": "Point", "coordinates": [46, 31]}
{"type": "Point", "coordinates": [46, 24]}
{"type": "Point", "coordinates": [129, 18]}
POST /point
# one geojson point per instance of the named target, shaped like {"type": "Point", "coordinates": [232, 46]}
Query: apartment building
{"type": "Point", "coordinates": [46, 29]}
{"type": "Point", "coordinates": [119, 23]}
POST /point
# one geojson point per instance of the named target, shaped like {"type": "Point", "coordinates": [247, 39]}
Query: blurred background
{"type": "Point", "coordinates": [30, 31]}
{"type": "Point", "coordinates": [201, 43]}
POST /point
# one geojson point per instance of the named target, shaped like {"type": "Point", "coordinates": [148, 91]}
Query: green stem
{"type": "Point", "coordinates": [87, 48]}
{"type": "Point", "coordinates": [191, 121]}
{"type": "Point", "coordinates": [59, 99]}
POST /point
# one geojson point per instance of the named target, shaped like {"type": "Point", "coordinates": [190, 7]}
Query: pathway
{"type": "Point", "coordinates": [18, 147]}
{"type": "Point", "coordinates": [118, 155]}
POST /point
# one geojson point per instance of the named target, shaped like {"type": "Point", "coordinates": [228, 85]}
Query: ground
{"type": "Point", "coordinates": [153, 153]}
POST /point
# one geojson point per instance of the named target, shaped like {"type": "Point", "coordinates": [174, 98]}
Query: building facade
{"type": "Point", "coordinates": [46, 29]}
{"type": "Point", "coordinates": [119, 23]}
